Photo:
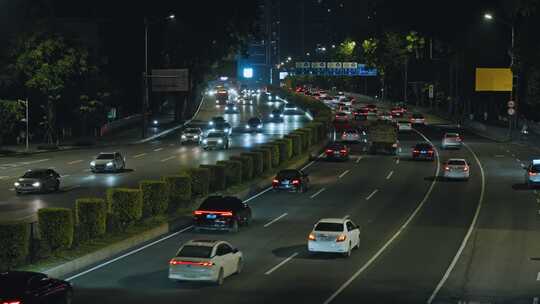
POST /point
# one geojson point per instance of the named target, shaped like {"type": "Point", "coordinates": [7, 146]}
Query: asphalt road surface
{"type": "Point", "coordinates": [149, 160]}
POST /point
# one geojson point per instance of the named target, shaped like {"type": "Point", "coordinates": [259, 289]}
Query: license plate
{"type": "Point", "coordinates": [211, 216]}
{"type": "Point", "coordinates": [285, 182]}
{"type": "Point", "coordinates": [423, 152]}
{"type": "Point", "coordinates": [336, 153]}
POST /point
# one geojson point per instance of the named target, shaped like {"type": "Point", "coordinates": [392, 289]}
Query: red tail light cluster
{"type": "Point", "coordinates": [203, 264]}
{"type": "Point", "coordinates": [343, 151]}
{"type": "Point", "coordinates": [296, 181]}
{"type": "Point", "coordinates": [447, 168]}
{"type": "Point", "coordinates": [222, 213]}
{"type": "Point", "coordinates": [532, 173]}
{"type": "Point", "coordinates": [466, 168]}
{"type": "Point", "coordinates": [11, 302]}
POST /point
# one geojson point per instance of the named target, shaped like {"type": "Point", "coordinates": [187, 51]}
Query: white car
{"type": "Point", "coordinates": [418, 119]}
{"type": "Point", "coordinates": [334, 235]}
{"type": "Point", "coordinates": [451, 140]}
{"type": "Point", "coordinates": [108, 162]}
{"type": "Point", "coordinates": [205, 260]}
{"type": "Point", "coordinates": [353, 135]}
{"type": "Point", "coordinates": [404, 126]}
{"type": "Point", "coordinates": [456, 168]}
{"type": "Point", "coordinates": [191, 135]}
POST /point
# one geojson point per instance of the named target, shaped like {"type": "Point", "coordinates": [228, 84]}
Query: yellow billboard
{"type": "Point", "coordinates": [493, 80]}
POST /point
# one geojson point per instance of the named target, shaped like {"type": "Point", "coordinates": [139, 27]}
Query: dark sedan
{"type": "Point", "coordinates": [23, 287]}
{"type": "Point", "coordinates": [337, 151]}
{"type": "Point", "coordinates": [222, 213]}
{"type": "Point", "coordinates": [423, 151]}
{"type": "Point", "coordinates": [254, 124]}
{"type": "Point", "coordinates": [291, 180]}
{"type": "Point", "coordinates": [38, 180]}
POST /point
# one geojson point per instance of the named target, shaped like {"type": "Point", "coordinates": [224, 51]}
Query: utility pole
{"type": "Point", "coordinates": [145, 81]}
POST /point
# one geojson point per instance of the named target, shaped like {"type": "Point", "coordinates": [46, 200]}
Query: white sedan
{"type": "Point", "coordinates": [404, 126]}
{"type": "Point", "coordinates": [456, 168]}
{"type": "Point", "coordinates": [205, 260]}
{"type": "Point", "coordinates": [334, 235]}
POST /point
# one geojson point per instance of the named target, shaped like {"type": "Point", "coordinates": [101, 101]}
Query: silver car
{"type": "Point", "coordinates": [532, 173]}
{"type": "Point", "coordinates": [452, 140]}
{"type": "Point", "coordinates": [216, 140]}
{"type": "Point", "coordinates": [353, 135]}
{"type": "Point", "coordinates": [456, 168]}
{"type": "Point", "coordinates": [108, 162]}
{"type": "Point", "coordinates": [38, 180]}
{"type": "Point", "coordinates": [191, 135]}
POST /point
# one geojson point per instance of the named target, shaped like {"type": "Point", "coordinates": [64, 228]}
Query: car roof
{"type": "Point", "coordinates": [456, 159]}
{"type": "Point", "coordinates": [423, 144]}
{"type": "Point", "coordinates": [333, 220]}
{"type": "Point", "coordinates": [206, 243]}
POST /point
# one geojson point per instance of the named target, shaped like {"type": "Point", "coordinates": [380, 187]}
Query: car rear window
{"type": "Point", "coordinates": [215, 135]}
{"type": "Point", "coordinates": [105, 156]}
{"type": "Point", "coordinates": [456, 163]}
{"type": "Point", "coordinates": [288, 174]}
{"type": "Point", "coordinates": [220, 203]}
{"type": "Point", "coordinates": [418, 116]}
{"type": "Point", "coordinates": [35, 174]}
{"type": "Point", "coordinates": [190, 251]}
{"type": "Point", "coordinates": [341, 114]}
{"type": "Point", "coordinates": [423, 146]}
{"type": "Point", "coordinates": [336, 147]}
{"type": "Point", "coordinates": [452, 135]}
{"type": "Point", "coordinates": [334, 227]}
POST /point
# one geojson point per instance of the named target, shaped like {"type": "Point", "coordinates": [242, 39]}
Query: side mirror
{"type": "Point", "coordinates": [523, 167]}
{"type": "Point", "coordinates": [235, 250]}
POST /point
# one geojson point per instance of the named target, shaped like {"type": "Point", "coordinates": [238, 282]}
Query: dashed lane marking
{"type": "Point", "coordinates": [397, 161]}
{"type": "Point", "coordinates": [390, 175]}
{"type": "Point", "coordinates": [358, 159]}
{"type": "Point", "coordinates": [275, 220]}
{"type": "Point", "coordinates": [158, 149]}
{"type": "Point", "coordinates": [317, 193]}
{"type": "Point", "coordinates": [343, 174]}
{"type": "Point", "coordinates": [139, 155]}
{"type": "Point", "coordinates": [75, 162]}
{"type": "Point", "coordinates": [281, 264]}
{"type": "Point", "coordinates": [372, 194]}
{"type": "Point", "coordinates": [168, 158]}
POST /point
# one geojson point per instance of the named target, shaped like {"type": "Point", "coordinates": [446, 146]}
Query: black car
{"type": "Point", "coordinates": [254, 124]}
{"type": "Point", "coordinates": [231, 108]}
{"type": "Point", "coordinates": [24, 287]}
{"type": "Point", "coordinates": [38, 180]}
{"type": "Point", "coordinates": [292, 180]}
{"type": "Point", "coordinates": [423, 151]}
{"type": "Point", "coordinates": [337, 151]}
{"type": "Point", "coordinates": [216, 120]}
{"type": "Point", "coordinates": [222, 213]}
{"type": "Point", "coordinates": [276, 115]}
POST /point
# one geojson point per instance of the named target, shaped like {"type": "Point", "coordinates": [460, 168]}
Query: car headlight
{"type": "Point", "coordinates": [280, 115]}
{"type": "Point", "coordinates": [155, 122]}
{"type": "Point", "coordinates": [195, 136]}
{"type": "Point", "coordinates": [16, 184]}
{"type": "Point", "coordinates": [217, 101]}
{"type": "Point", "coordinates": [205, 141]}
{"type": "Point", "coordinates": [259, 126]}
{"type": "Point", "coordinates": [36, 185]}
{"type": "Point", "coordinates": [220, 141]}
{"type": "Point", "coordinates": [226, 108]}
{"type": "Point", "coordinates": [234, 108]}
{"type": "Point", "coordinates": [271, 115]}
{"type": "Point", "coordinates": [211, 123]}
{"type": "Point", "coordinates": [110, 164]}
{"type": "Point", "coordinates": [247, 126]}
{"type": "Point", "coordinates": [183, 136]}
{"type": "Point", "coordinates": [227, 129]}
{"type": "Point", "coordinates": [92, 163]}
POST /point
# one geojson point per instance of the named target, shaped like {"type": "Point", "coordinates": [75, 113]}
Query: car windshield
{"type": "Point", "coordinates": [214, 135]}
{"type": "Point", "coordinates": [332, 227]}
{"type": "Point", "coordinates": [105, 156]}
{"type": "Point", "coordinates": [35, 174]}
{"type": "Point", "coordinates": [351, 132]}
{"type": "Point", "coordinates": [219, 203]}
{"type": "Point", "coordinates": [423, 146]}
{"type": "Point", "coordinates": [336, 147]}
{"type": "Point", "coordinates": [288, 174]}
{"type": "Point", "coordinates": [254, 121]}
{"type": "Point", "coordinates": [192, 130]}
{"type": "Point", "coordinates": [456, 162]}
{"type": "Point", "coordinates": [192, 251]}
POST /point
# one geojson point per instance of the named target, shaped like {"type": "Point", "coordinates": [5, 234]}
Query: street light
{"type": "Point", "coordinates": [25, 102]}
{"type": "Point", "coordinates": [146, 98]}
{"type": "Point", "coordinates": [488, 16]}
{"type": "Point", "coordinates": [289, 58]}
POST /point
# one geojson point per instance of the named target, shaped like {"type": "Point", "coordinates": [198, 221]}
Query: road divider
{"type": "Point", "coordinates": [275, 220]}
{"type": "Point", "coordinates": [317, 193]}
{"type": "Point", "coordinates": [281, 264]}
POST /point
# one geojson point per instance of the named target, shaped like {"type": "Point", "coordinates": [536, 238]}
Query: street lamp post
{"type": "Point", "coordinates": [25, 102]}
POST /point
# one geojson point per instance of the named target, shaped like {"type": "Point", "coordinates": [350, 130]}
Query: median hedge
{"type": "Point", "coordinates": [306, 137]}
{"type": "Point", "coordinates": [247, 166]}
{"type": "Point", "coordinates": [126, 205]}
{"type": "Point", "coordinates": [178, 189]}
{"type": "Point", "coordinates": [200, 181]}
{"type": "Point", "coordinates": [257, 159]}
{"type": "Point", "coordinates": [15, 240]}
{"type": "Point", "coordinates": [296, 143]}
{"type": "Point", "coordinates": [274, 148]}
{"type": "Point", "coordinates": [266, 157]}
{"type": "Point", "coordinates": [233, 171]}
{"type": "Point", "coordinates": [285, 149]}
{"type": "Point", "coordinates": [155, 197]}
{"type": "Point", "coordinates": [90, 218]}
{"type": "Point", "coordinates": [56, 227]}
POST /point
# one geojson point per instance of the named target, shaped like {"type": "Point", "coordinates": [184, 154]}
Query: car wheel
{"type": "Point", "coordinates": [220, 277]}
{"type": "Point", "coordinates": [348, 253]}
{"type": "Point", "coordinates": [234, 227]}
{"type": "Point", "coordinates": [239, 266]}
{"type": "Point", "coordinates": [57, 186]}
{"type": "Point", "coordinates": [358, 244]}
{"type": "Point", "coordinates": [68, 297]}
{"type": "Point", "coordinates": [19, 193]}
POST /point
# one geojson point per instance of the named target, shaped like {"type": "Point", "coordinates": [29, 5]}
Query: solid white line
{"type": "Point", "coordinates": [372, 194]}
{"type": "Point", "coordinates": [317, 193]}
{"type": "Point", "coordinates": [312, 162]}
{"type": "Point", "coordinates": [75, 162]}
{"type": "Point", "coordinates": [139, 155]}
{"type": "Point", "coordinates": [358, 159]}
{"type": "Point", "coordinates": [535, 300]}
{"type": "Point", "coordinates": [281, 264]}
{"type": "Point", "coordinates": [158, 149]}
{"type": "Point", "coordinates": [343, 174]}
{"type": "Point", "coordinates": [276, 219]}
{"type": "Point", "coordinates": [538, 200]}
{"type": "Point", "coordinates": [469, 232]}
{"type": "Point", "coordinates": [128, 254]}
{"type": "Point", "coordinates": [168, 158]}
{"type": "Point", "coordinates": [65, 175]}
{"type": "Point", "coordinates": [394, 237]}
{"type": "Point", "coordinates": [538, 276]}
{"type": "Point", "coordinates": [390, 175]}
{"type": "Point", "coordinates": [258, 194]}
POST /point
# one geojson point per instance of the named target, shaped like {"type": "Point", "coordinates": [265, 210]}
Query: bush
{"type": "Point", "coordinates": [200, 181]}
{"type": "Point", "coordinates": [296, 144]}
{"type": "Point", "coordinates": [56, 227]}
{"type": "Point", "coordinates": [155, 197]}
{"type": "Point", "coordinates": [219, 182]}
{"type": "Point", "coordinates": [90, 217]}
{"type": "Point", "coordinates": [247, 166]}
{"type": "Point", "coordinates": [257, 158]}
{"type": "Point", "coordinates": [126, 205]}
{"type": "Point", "coordinates": [179, 190]}
{"type": "Point", "coordinates": [306, 137]}
{"type": "Point", "coordinates": [274, 149]}
{"type": "Point", "coordinates": [266, 157]}
{"type": "Point", "coordinates": [15, 240]}
{"type": "Point", "coordinates": [285, 149]}
{"type": "Point", "coordinates": [233, 171]}
{"type": "Point", "coordinates": [314, 133]}
{"type": "Point", "coordinates": [320, 134]}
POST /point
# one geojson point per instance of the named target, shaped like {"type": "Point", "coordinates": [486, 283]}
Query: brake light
{"type": "Point", "coordinates": [532, 173]}
{"type": "Point", "coordinates": [275, 181]}
{"type": "Point", "coordinates": [329, 151]}
{"type": "Point", "coordinates": [12, 302]}
{"type": "Point", "coordinates": [222, 213]}
{"type": "Point", "coordinates": [343, 151]}
{"type": "Point", "coordinates": [203, 264]}
{"type": "Point", "coordinates": [341, 238]}
{"type": "Point", "coordinates": [466, 168]}
{"type": "Point", "coordinates": [416, 151]}
{"type": "Point", "coordinates": [296, 182]}
{"type": "Point", "coordinates": [447, 168]}
{"type": "Point", "coordinates": [430, 151]}
{"type": "Point", "coordinates": [311, 237]}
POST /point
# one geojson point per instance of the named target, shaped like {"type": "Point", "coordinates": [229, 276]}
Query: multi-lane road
{"type": "Point", "coordinates": [424, 239]}
{"type": "Point", "coordinates": [149, 160]}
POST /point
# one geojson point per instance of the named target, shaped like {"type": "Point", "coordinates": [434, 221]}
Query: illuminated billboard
{"type": "Point", "coordinates": [493, 80]}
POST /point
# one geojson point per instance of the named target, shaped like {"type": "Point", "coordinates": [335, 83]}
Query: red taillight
{"type": "Point", "coordinates": [416, 151]}
{"type": "Point", "coordinates": [203, 264]}
{"type": "Point", "coordinates": [311, 237]}
{"type": "Point", "coordinates": [466, 168]}
{"type": "Point", "coordinates": [343, 151]}
{"type": "Point", "coordinates": [447, 168]}
{"type": "Point", "coordinates": [275, 181]}
{"type": "Point", "coordinates": [329, 151]}
{"type": "Point", "coordinates": [12, 302]}
{"type": "Point", "coordinates": [222, 213]}
{"type": "Point", "coordinates": [197, 212]}
{"type": "Point", "coordinates": [295, 182]}
{"type": "Point", "coordinates": [430, 151]}
{"type": "Point", "coordinates": [532, 173]}
{"type": "Point", "coordinates": [341, 238]}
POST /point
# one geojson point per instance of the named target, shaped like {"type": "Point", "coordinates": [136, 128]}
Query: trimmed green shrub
{"type": "Point", "coordinates": [200, 181]}
{"type": "Point", "coordinates": [314, 133]}
{"type": "Point", "coordinates": [90, 218]}
{"type": "Point", "coordinates": [319, 131]}
{"type": "Point", "coordinates": [233, 171]}
{"type": "Point", "coordinates": [296, 143]}
{"type": "Point", "coordinates": [257, 158]}
{"type": "Point", "coordinates": [126, 205]}
{"type": "Point", "coordinates": [15, 240]}
{"type": "Point", "coordinates": [266, 157]}
{"type": "Point", "coordinates": [247, 166]}
{"type": "Point", "coordinates": [283, 145]}
{"type": "Point", "coordinates": [155, 197]}
{"type": "Point", "coordinates": [274, 148]}
{"type": "Point", "coordinates": [56, 227]}
{"type": "Point", "coordinates": [306, 137]}
{"type": "Point", "coordinates": [179, 190]}
{"type": "Point", "coordinates": [212, 187]}
{"type": "Point", "coordinates": [219, 182]}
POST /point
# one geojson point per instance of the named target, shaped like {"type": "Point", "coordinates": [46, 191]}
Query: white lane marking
{"type": "Point", "coordinates": [390, 175]}
{"type": "Point", "coordinates": [358, 159]}
{"type": "Point", "coordinates": [65, 175]}
{"type": "Point", "coordinates": [281, 264]}
{"type": "Point", "coordinates": [128, 254]}
{"type": "Point", "coordinates": [343, 174]}
{"type": "Point", "coordinates": [372, 194]}
{"type": "Point", "coordinates": [535, 191]}
{"type": "Point", "coordinates": [258, 194]}
{"type": "Point", "coordinates": [538, 200]}
{"type": "Point", "coordinates": [312, 162]}
{"type": "Point", "coordinates": [517, 159]}
{"type": "Point", "coordinates": [171, 145]}
{"type": "Point", "coordinates": [4, 177]}
{"type": "Point", "coordinates": [317, 193]}
{"type": "Point", "coordinates": [507, 151]}
{"type": "Point", "coordinates": [513, 155]}
{"type": "Point", "coordinates": [86, 170]}
{"type": "Point", "coordinates": [394, 237]}
{"type": "Point", "coordinates": [139, 155]}
{"type": "Point", "coordinates": [168, 158]}
{"type": "Point", "coordinates": [469, 232]}
{"type": "Point", "coordinates": [499, 156]}
{"type": "Point", "coordinates": [538, 276]}
{"type": "Point", "coordinates": [397, 161]}
{"type": "Point", "coordinates": [535, 300]}
{"type": "Point", "coordinates": [75, 162]}
{"type": "Point", "coordinates": [11, 189]}
{"type": "Point", "coordinates": [158, 149]}
{"type": "Point", "coordinates": [275, 220]}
